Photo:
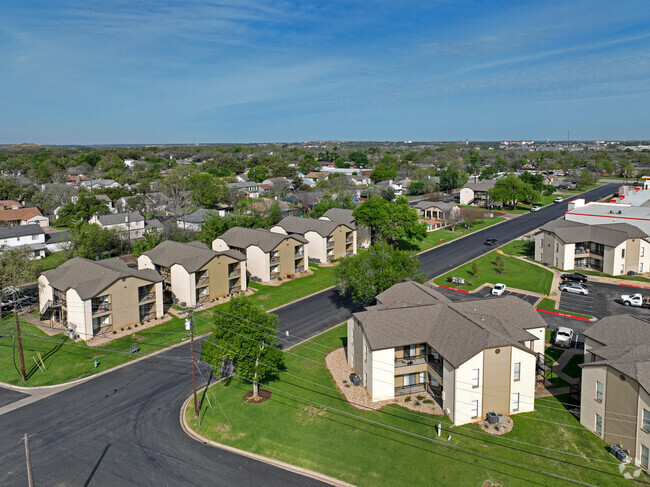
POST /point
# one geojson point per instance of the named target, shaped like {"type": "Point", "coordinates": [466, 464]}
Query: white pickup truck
{"type": "Point", "coordinates": [636, 300]}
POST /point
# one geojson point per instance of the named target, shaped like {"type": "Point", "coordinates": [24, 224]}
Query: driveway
{"type": "Point", "coordinates": [603, 300]}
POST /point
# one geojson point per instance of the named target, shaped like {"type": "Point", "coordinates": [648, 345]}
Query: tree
{"type": "Point", "coordinates": [452, 178]}
{"type": "Point", "coordinates": [206, 190]}
{"type": "Point", "coordinates": [328, 203]}
{"type": "Point", "coordinates": [489, 172]}
{"type": "Point", "coordinates": [510, 190]}
{"type": "Point", "coordinates": [383, 172]}
{"type": "Point", "coordinates": [152, 238]}
{"type": "Point", "coordinates": [364, 276]}
{"type": "Point", "coordinates": [584, 179]}
{"type": "Point", "coordinates": [390, 221]}
{"type": "Point", "coordinates": [92, 241]}
{"type": "Point", "coordinates": [245, 334]}
{"type": "Point", "coordinates": [500, 264]}
{"type": "Point", "coordinates": [17, 266]}
{"type": "Point", "coordinates": [474, 269]}
{"type": "Point", "coordinates": [470, 216]}
{"type": "Point", "coordinates": [258, 174]}
{"type": "Point", "coordinates": [82, 210]}
{"type": "Point", "coordinates": [359, 158]}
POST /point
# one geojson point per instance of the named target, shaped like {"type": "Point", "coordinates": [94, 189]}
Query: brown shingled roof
{"type": "Point", "coordinates": [300, 226]}
{"type": "Point", "coordinates": [243, 238]}
{"type": "Point", "coordinates": [191, 256]}
{"type": "Point", "coordinates": [21, 214]}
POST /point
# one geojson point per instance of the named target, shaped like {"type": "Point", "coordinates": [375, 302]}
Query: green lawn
{"type": "Point", "coordinates": [273, 296]}
{"type": "Point", "coordinates": [572, 368]}
{"type": "Point", "coordinates": [307, 423]}
{"type": "Point", "coordinates": [548, 304]}
{"type": "Point", "coordinates": [444, 235]}
{"type": "Point", "coordinates": [519, 248]}
{"type": "Point", "coordinates": [517, 274]}
{"type": "Point", "coordinates": [52, 261]}
{"type": "Point", "coordinates": [602, 274]}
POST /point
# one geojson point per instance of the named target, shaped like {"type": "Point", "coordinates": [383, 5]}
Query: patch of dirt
{"type": "Point", "coordinates": [138, 338]}
{"type": "Point", "coordinates": [222, 427]}
{"type": "Point", "coordinates": [264, 296]}
{"type": "Point", "coordinates": [498, 429]}
{"type": "Point", "coordinates": [310, 413]}
{"type": "Point", "coordinates": [263, 396]}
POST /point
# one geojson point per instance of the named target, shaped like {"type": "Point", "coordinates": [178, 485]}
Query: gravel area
{"type": "Point", "coordinates": [358, 396]}
{"type": "Point", "coordinates": [498, 429]}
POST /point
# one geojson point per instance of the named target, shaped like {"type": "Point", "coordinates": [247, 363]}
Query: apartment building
{"type": "Point", "coordinates": [476, 193]}
{"type": "Point", "coordinates": [269, 255]}
{"type": "Point", "coordinates": [96, 297]}
{"type": "Point", "coordinates": [132, 224]}
{"type": "Point", "coordinates": [471, 357]}
{"type": "Point", "coordinates": [615, 386]}
{"type": "Point", "coordinates": [612, 248]}
{"type": "Point", "coordinates": [326, 240]}
{"type": "Point", "coordinates": [434, 214]}
{"type": "Point", "coordinates": [192, 273]}
{"type": "Point", "coordinates": [344, 216]}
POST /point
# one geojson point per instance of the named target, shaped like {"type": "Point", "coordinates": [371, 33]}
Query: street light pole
{"type": "Point", "coordinates": [20, 342]}
{"type": "Point", "coordinates": [189, 323]}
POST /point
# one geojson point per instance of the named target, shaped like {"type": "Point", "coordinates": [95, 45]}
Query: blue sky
{"type": "Point", "coordinates": [101, 72]}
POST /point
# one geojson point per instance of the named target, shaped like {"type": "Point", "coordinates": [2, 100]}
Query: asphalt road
{"type": "Point", "coordinates": [123, 428]}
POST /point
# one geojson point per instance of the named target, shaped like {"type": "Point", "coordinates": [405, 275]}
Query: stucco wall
{"type": "Point", "coordinates": [588, 404]}
{"type": "Point", "coordinates": [448, 388]}
{"type": "Point", "coordinates": [79, 314]}
{"type": "Point", "coordinates": [525, 386]}
{"type": "Point", "coordinates": [643, 436]}
{"type": "Point", "coordinates": [465, 393]}
{"type": "Point", "coordinates": [144, 262]}
{"type": "Point", "coordinates": [183, 285]}
{"type": "Point", "coordinates": [466, 195]}
{"type": "Point", "coordinates": [383, 374]}
{"type": "Point", "coordinates": [540, 333]}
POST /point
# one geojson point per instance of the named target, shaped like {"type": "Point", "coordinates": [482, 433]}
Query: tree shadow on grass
{"type": "Point", "coordinates": [47, 355]}
{"type": "Point", "coordinates": [406, 245]}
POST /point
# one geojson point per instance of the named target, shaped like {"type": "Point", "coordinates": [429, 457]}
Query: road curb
{"type": "Point", "coordinates": [564, 315]}
{"type": "Point", "coordinates": [254, 456]}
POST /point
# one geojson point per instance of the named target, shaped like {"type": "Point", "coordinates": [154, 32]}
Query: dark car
{"type": "Point", "coordinates": [490, 241]}
{"type": "Point", "coordinates": [574, 276]}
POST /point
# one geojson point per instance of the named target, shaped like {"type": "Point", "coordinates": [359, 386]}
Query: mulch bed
{"type": "Point", "coordinates": [263, 396]}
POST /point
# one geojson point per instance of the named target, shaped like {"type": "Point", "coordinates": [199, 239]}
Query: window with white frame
{"type": "Point", "coordinates": [475, 377]}
{"type": "Point", "coordinates": [622, 253]}
{"type": "Point", "coordinates": [474, 409]}
{"type": "Point", "coordinates": [646, 419]}
{"type": "Point", "coordinates": [410, 379]}
{"type": "Point", "coordinates": [644, 456]}
{"type": "Point", "coordinates": [599, 391]}
{"type": "Point", "coordinates": [557, 247]}
{"type": "Point", "coordinates": [642, 251]}
{"type": "Point", "coordinates": [517, 371]}
{"type": "Point", "coordinates": [515, 401]}
{"type": "Point", "coordinates": [599, 424]}
{"type": "Point", "coordinates": [365, 352]}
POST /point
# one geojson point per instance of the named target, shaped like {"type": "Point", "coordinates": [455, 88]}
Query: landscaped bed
{"type": "Point", "coordinates": [516, 274]}
{"type": "Point", "coordinates": [308, 423]}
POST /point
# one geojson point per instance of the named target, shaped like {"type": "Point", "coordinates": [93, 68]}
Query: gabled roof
{"type": "Point", "coordinates": [21, 230]}
{"type": "Point", "coordinates": [200, 215]}
{"type": "Point", "coordinates": [458, 331]}
{"type": "Point", "coordinates": [300, 226]}
{"type": "Point", "coordinates": [191, 256]}
{"type": "Point", "coordinates": [22, 214]}
{"type": "Point", "coordinates": [484, 185]}
{"type": "Point", "coordinates": [10, 204]}
{"type": "Point", "coordinates": [441, 205]}
{"type": "Point", "coordinates": [610, 234]}
{"type": "Point", "coordinates": [119, 218]}
{"type": "Point", "coordinates": [89, 278]}
{"type": "Point", "coordinates": [619, 330]}
{"type": "Point", "coordinates": [341, 215]}
{"type": "Point", "coordinates": [407, 294]}
{"type": "Point", "coordinates": [57, 237]}
{"type": "Point", "coordinates": [243, 238]}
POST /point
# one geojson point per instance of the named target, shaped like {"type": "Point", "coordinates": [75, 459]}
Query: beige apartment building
{"type": "Point", "coordinates": [471, 357]}
{"type": "Point", "coordinates": [326, 240]}
{"type": "Point", "coordinates": [615, 386]}
{"type": "Point", "coordinates": [344, 216]}
{"type": "Point", "coordinates": [192, 273]}
{"type": "Point", "coordinates": [269, 255]}
{"type": "Point", "coordinates": [96, 297]}
{"type": "Point", "coordinates": [614, 248]}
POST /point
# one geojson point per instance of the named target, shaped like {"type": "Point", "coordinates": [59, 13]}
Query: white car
{"type": "Point", "coordinates": [498, 289]}
{"type": "Point", "coordinates": [559, 199]}
{"type": "Point", "coordinates": [635, 300]}
{"type": "Point", "coordinates": [535, 208]}
{"type": "Point", "coordinates": [574, 287]}
{"type": "Point", "coordinates": [563, 337]}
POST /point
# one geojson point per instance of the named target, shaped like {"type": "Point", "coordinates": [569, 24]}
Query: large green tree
{"type": "Point", "coordinates": [452, 178]}
{"type": "Point", "coordinates": [383, 172]}
{"type": "Point", "coordinates": [92, 241]}
{"type": "Point", "coordinates": [364, 276]}
{"type": "Point", "coordinates": [82, 210]}
{"type": "Point", "coordinates": [246, 335]}
{"type": "Point", "coordinates": [259, 174]}
{"type": "Point", "coordinates": [511, 190]}
{"type": "Point", "coordinates": [207, 190]}
{"type": "Point", "coordinates": [390, 221]}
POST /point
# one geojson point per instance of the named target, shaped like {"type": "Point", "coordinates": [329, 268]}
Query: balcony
{"type": "Point", "coordinates": [202, 280]}
{"type": "Point", "coordinates": [300, 268]}
{"type": "Point", "coordinates": [147, 316]}
{"type": "Point", "coordinates": [275, 259]}
{"type": "Point", "coordinates": [412, 360]}
{"type": "Point", "coordinates": [349, 252]}
{"type": "Point", "coordinates": [275, 275]}
{"type": "Point", "coordinates": [58, 302]}
{"type": "Point", "coordinates": [234, 290]}
{"type": "Point", "coordinates": [349, 239]}
{"type": "Point", "coordinates": [165, 274]}
{"type": "Point", "coordinates": [412, 389]}
{"type": "Point", "coordinates": [299, 254]}
{"type": "Point", "coordinates": [235, 273]}
{"type": "Point", "coordinates": [101, 308]}
{"type": "Point", "coordinates": [143, 298]}
{"type": "Point", "coordinates": [330, 244]}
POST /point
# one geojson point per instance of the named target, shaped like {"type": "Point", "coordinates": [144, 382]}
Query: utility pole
{"type": "Point", "coordinates": [20, 342]}
{"type": "Point", "coordinates": [189, 323]}
{"type": "Point", "coordinates": [28, 461]}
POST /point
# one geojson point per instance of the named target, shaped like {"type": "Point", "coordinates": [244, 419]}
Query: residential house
{"type": "Point", "coordinates": [395, 186]}
{"type": "Point", "coordinates": [436, 214]}
{"type": "Point", "coordinates": [192, 273]}
{"type": "Point", "coordinates": [269, 255]}
{"type": "Point", "coordinates": [56, 241]}
{"type": "Point", "coordinates": [131, 225]}
{"type": "Point", "coordinates": [613, 248]}
{"type": "Point", "coordinates": [477, 193]}
{"type": "Point", "coordinates": [360, 180]}
{"type": "Point", "coordinates": [249, 189]}
{"type": "Point", "coordinates": [326, 240]}
{"type": "Point", "coordinates": [99, 184]}
{"type": "Point", "coordinates": [341, 215]}
{"type": "Point", "coordinates": [96, 297]}
{"type": "Point", "coordinates": [107, 201]}
{"type": "Point", "coordinates": [194, 221]}
{"type": "Point", "coordinates": [23, 216]}
{"type": "Point", "coordinates": [471, 357]}
{"type": "Point", "coordinates": [30, 236]}
{"type": "Point", "coordinates": [615, 385]}
{"type": "Point", "coordinates": [10, 204]}
{"type": "Point", "coordinates": [306, 200]}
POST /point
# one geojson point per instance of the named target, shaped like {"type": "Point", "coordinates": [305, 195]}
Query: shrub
{"type": "Point", "coordinates": [121, 329]}
{"type": "Point", "coordinates": [417, 403]}
{"type": "Point", "coordinates": [408, 399]}
{"type": "Point", "coordinates": [136, 325]}
{"type": "Point", "coordinates": [114, 332]}
{"type": "Point", "coordinates": [420, 398]}
{"type": "Point", "coordinates": [428, 401]}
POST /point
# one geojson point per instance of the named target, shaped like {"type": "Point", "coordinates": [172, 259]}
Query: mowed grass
{"type": "Point", "coordinates": [52, 261]}
{"type": "Point", "coordinates": [517, 274]}
{"type": "Point", "coordinates": [519, 248]}
{"type": "Point", "coordinates": [307, 423]}
{"type": "Point", "coordinates": [444, 235]}
{"type": "Point", "coordinates": [572, 368]}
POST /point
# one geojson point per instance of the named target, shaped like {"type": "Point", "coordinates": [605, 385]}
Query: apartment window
{"type": "Point", "coordinates": [475, 377]}
{"type": "Point", "coordinates": [515, 401]}
{"type": "Point", "coordinates": [599, 424]}
{"type": "Point", "coordinates": [557, 247]}
{"type": "Point", "coordinates": [474, 409]}
{"type": "Point", "coordinates": [410, 379]}
{"type": "Point", "coordinates": [623, 253]}
{"type": "Point", "coordinates": [365, 352]}
{"type": "Point", "coordinates": [517, 371]}
{"type": "Point", "coordinates": [644, 456]}
{"type": "Point", "coordinates": [642, 251]}
{"type": "Point", "coordinates": [556, 262]}
{"type": "Point", "coordinates": [599, 391]}
{"type": "Point", "coordinates": [646, 420]}
{"type": "Point", "coordinates": [622, 269]}
{"type": "Point", "coordinates": [17, 239]}
{"type": "Point", "coordinates": [641, 267]}
{"type": "Point", "coordinates": [34, 237]}
{"type": "Point", "coordinates": [423, 378]}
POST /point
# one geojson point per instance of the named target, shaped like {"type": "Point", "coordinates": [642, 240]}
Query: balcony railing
{"type": "Point", "coordinates": [146, 297]}
{"type": "Point", "coordinates": [101, 308]}
{"type": "Point", "coordinates": [412, 389]}
{"type": "Point", "coordinates": [148, 316]}
{"type": "Point", "coordinates": [202, 298]}
{"type": "Point", "coordinates": [349, 252]}
{"type": "Point", "coordinates": [300, 268]}
{"type": "Point", "coordinates": [275, 259]}
{"type": "Point", "coordinates": [349, 239]}
{"type": "Point", "coordinates": [234, 290]}
{"type": "Point", "coordinates": [299, 254]}
{"type": "Point", "coordinates": [412, 360]}
{"type": "Point", "coordinates": [202, 280]}
{"type": "Point", "coordinates": [165, 274]}
{"type": "Point", "coordinates": [56, 302]}
{"type": "Point", "coordinates": [235, 273]}
{"type": "Point", "coordinates": [275, 275]}
{"type": "Point", "coordinates": [436, 366]}
{"type": "Point", "coordinates": [330, 244]}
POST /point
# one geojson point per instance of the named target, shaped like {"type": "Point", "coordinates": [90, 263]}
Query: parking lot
{"type": "Point", "coordinates": [484, 293]}
{"type": "Point", "coordinates": [603, 300]}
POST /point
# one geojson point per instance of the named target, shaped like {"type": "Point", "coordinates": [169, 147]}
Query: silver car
{"type": "Point", "coordinates": [563, 337]}
{"type": "Point", "coordinates": [574, 287]}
